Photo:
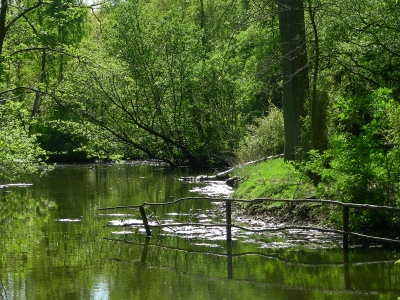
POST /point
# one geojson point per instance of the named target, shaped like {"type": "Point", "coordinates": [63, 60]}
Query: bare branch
{"type": "Point", "coordinates": [21, 14]}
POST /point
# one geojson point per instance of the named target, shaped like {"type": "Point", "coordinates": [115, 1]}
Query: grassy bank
{"type": "Point", "coordinates": [279, 180]}
{"type": "Point", "coordinates": [273, 179]}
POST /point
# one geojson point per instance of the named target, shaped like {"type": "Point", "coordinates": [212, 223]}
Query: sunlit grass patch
{"type": "Point", "coordinates": [272, 179]}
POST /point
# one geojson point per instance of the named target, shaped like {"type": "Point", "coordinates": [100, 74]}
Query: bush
{"type": "Point", "coordinates": [20, 153]}
{"type": "Point", "coordinates": [264, 139]}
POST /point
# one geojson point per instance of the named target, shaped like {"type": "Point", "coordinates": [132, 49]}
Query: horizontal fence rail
{"type": "Point", "coordinates": [345, 232]}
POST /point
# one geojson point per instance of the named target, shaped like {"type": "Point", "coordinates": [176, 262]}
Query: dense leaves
{"type": "Point", "coordinates": [20, 153]}
{"type": "Point", "coordinates": [157, 89]}
{"type": "Point", "coordinates": [360, 164]}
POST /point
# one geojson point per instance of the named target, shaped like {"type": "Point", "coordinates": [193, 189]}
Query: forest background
{"type": "Point", "coordinates": [207, 82]}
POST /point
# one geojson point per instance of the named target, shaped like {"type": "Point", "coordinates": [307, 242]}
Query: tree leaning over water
{"type": "Point", "coordinates": [157, 87]}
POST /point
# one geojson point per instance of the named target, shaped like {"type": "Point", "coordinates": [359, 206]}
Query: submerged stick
{"type": "Point", "coordinates": [145, 222]}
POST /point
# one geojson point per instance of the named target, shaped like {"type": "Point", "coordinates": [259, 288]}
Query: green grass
{"type": "Point", "coordinates": [272, 179]}
{"type": "Point", "coordinates": [278, 180]}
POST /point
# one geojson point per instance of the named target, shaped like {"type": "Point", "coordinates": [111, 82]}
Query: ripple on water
{"type": "Point", "coordinates": [214, 189]}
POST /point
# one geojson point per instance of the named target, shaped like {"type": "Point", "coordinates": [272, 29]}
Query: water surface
{"type": "Point", "coordinates": [56, 244]}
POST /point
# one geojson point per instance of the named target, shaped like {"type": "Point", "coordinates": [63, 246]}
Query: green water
{"type": "Point", "coordinates": [54, 245]}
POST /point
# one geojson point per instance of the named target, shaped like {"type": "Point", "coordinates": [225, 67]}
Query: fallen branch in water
{"type": "Point", "coordinates": [2, 186]}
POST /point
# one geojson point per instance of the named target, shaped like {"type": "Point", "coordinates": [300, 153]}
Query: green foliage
{"type": "Point", "coordinates": [156, 89]}
{"type": "Point", "coordinates": [265, 138]}
{"type": "Point", "coordinates": [361, 163]}
{"type": "Point", "coordinates": [73, 141]}
{"type": "Point", "coordinates": [254, 53]}
{"type": "Point", "coordinates": [184, 78]}
{"type": "Point", "coordinates": [181, 81]}
{"type": "Point", "coordinates": [20, 153]}
{"type": "Point", "coordinates": [359, 43]}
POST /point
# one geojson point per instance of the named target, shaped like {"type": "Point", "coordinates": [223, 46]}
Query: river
{"type": "Point", "coordinates": [55, 243]}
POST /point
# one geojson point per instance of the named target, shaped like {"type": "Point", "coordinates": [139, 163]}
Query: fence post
{"type": "Point", "coordinates": [145, 222]}
{"type": "Point", "coordinates": [345, 227]}
{"type": "Point", "coordinates": [228, 221]}
{"type": "Point", "coordinates": [144, 252]}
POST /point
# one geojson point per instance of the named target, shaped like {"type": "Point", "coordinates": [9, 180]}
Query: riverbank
{"type": "Point", "coordinates": [278, 180]}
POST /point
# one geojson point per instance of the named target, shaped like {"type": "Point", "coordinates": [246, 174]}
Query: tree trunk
{"type": "Point", "coordinates": [318, 102]}
{"type": "Point", "coordinates": [61, 62]}
{"type": "Point", "coordinates": [3, 17]}
{"type": "Point", "coordinates": [38, 93]}
{"type": "Point", "coordinates": [295, 74]}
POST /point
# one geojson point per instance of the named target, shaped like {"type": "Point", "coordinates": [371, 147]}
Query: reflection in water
{"type": "Point", "coordinates": [231, 264]}
{"type": "Point", "coordinates": [229, 258]}
{"type": "Point", "coordinates": [346, 263]}
{"type": "Point", "coordinates": [145, 248]}
{"type": "Point", "coordinates": [100, 291]}
{"type": "Point", "coordinates": [55, 244]}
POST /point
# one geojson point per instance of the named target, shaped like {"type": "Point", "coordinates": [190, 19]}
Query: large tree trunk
{"type": "Point", "coordinates": [318, 101]}
{"type": "Point", "coordinates": [3, 16]}
{"type": "Point", "coordinates": [295, 74]}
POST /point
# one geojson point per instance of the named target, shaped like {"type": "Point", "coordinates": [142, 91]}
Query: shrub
{"type": "Point", "coordinates": [265, 138]}
{"type": "Point", "coordinates": [20, 153]}
{"type": "Point", "coordinates": [361, 164]}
